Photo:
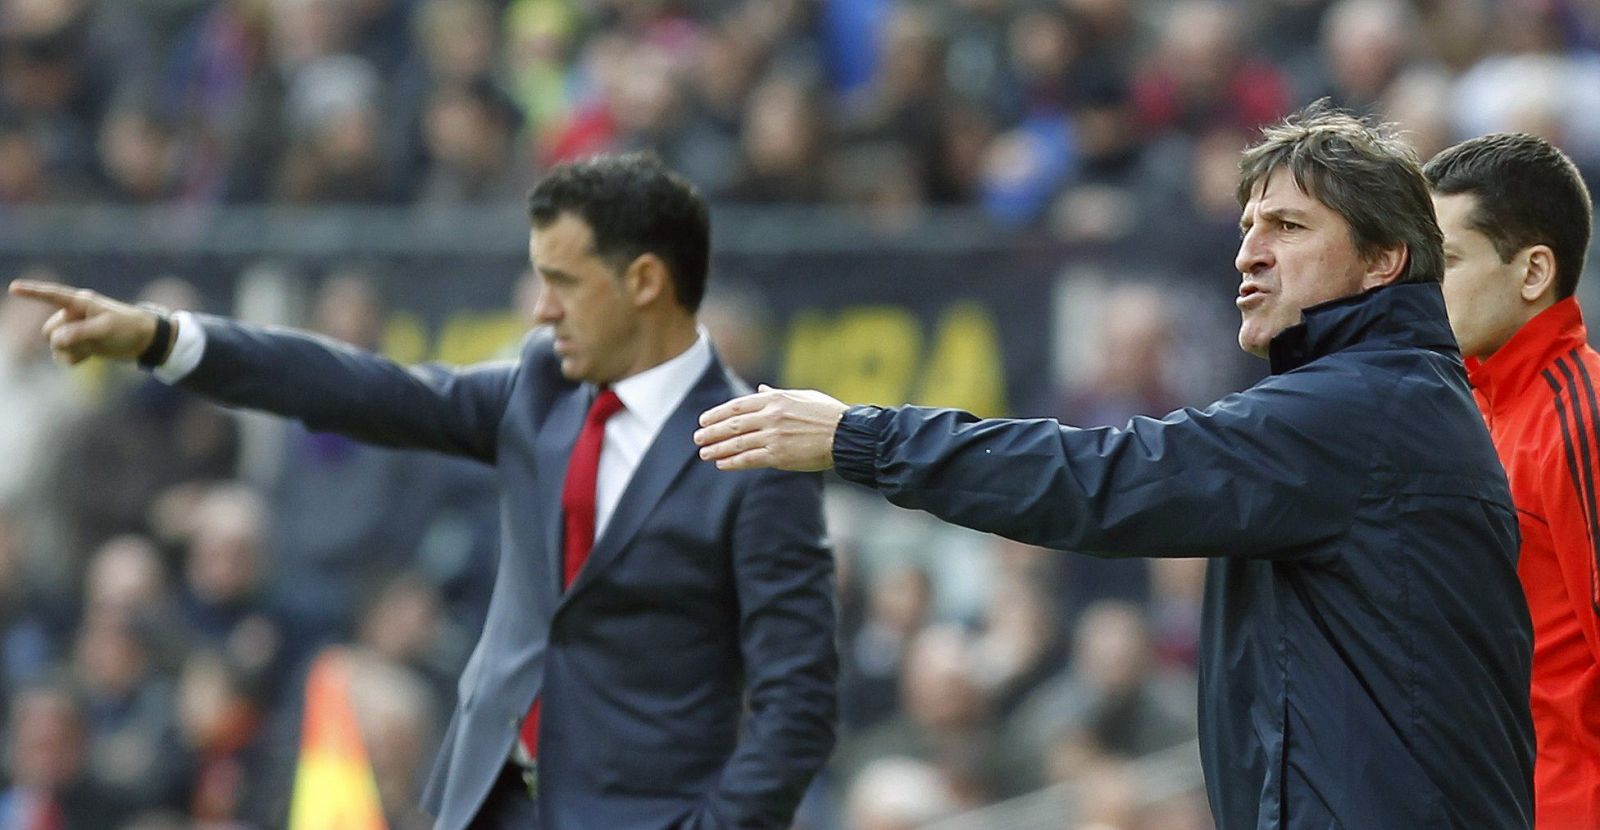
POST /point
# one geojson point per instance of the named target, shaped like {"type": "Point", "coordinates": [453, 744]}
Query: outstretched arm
{"type": "Point", "coordinates": [329, 386]}
{"type": "Point", "coordinates": [1263, 473]}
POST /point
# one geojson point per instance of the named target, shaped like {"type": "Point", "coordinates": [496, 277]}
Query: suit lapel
{"type": "Point", "coordinates": [556, 437]}
{"type": "Point", "coordinates": [672, 450]}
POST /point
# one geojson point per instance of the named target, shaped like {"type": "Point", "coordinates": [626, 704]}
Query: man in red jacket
{"type": "Point", "coordinates": [1516, 219]}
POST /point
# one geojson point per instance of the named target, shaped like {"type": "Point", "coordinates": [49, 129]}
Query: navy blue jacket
{"type": "Point", "coordinates": [1365, 649]}
{"type": "Point", "coordinates": [687, 674]}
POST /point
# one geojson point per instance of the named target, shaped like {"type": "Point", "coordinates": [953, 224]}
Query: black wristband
{"type": "Point", "coordinates": [161, 343]}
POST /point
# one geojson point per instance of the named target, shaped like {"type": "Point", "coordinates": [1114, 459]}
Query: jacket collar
{"type": "Point", "coordinates": [672, 450]}
{"type": "Point", "coordinates": [1506, 373]}
{"type": "Point", "coordinates": [1394, 316]}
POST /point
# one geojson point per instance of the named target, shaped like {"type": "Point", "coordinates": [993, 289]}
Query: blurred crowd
{"type": "Point", "coordinates": [1069, 114]}
{"type": "Point", "coordinates": [168, 569]}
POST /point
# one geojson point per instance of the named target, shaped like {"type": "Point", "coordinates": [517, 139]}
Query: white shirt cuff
{"type": "Point", "coordinates": [186, 350]}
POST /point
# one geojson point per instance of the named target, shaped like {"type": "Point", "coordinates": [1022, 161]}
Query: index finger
{"type": "Point", "coordinates": [737, 406]}
{"type": "Point", "coordinates": [49, 292]}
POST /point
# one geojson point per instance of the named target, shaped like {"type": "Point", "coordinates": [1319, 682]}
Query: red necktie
{"type": "Point", "coordinates": [577, 509]}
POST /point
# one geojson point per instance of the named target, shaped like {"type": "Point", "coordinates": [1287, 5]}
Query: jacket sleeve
{"type": "Point", "coordinates": [783, 570]}
{"type": "Point", "coordinates": [1567, 488]}
{"type": "Point", "coordinates": [1272, 472]}
{"type": "Point", "coordinates": [332, 387]}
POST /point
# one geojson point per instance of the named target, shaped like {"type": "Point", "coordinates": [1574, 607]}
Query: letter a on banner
{"type": "Point", "coordinates": [333, 784]}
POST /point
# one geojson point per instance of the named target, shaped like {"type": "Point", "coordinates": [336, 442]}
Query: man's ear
{"type": "Point", "coordinates": [647, 280]}
{"type": "Point", "coordinates": [1538, 273]}
{"type": "Point", "coordinates": [1385, 266]}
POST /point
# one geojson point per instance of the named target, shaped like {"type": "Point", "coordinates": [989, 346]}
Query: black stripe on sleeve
{"type": "Point", "coordinates": [1576, 440]}
{"type": "Point", "coordinates": [1594, 425]}
{"type": "Point", "coordinates": [1566, 439]}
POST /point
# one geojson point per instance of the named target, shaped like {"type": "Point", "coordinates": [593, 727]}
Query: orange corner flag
{"type": "Point", "coordinates": [334, 788]}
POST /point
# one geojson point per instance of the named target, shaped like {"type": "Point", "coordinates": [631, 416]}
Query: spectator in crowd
{"type": "Point", "coordinates": [898, 793]}
{"type": "Point", "coordinates": [138, 160]}
{"type": "Point", "coordinates": [23, 177]}
{"type": "Point", "coordinates": [945, 721]}
{"type": "Point", "coordinates": [380, 31]}
{"type": "Point", "coordinates": [873, 655]}
{"type": "Point", "coordinates": [783, 145]}
{"type": "Point", "coordinates": [224, 595]}
{"type": "Point", "coordinates": [470, 133]}
{"type": "Point", "coordinates": [27, 644]}
{"type": "Point", "coordinates": [406, 625]}
{"type": "Point", "coordinates": [50, 783]}
{"type": "Point", "coordinates": [395, 713]}
{"type": "Point", "coordinates": [219, 70]}
{"type": "Point", "coordinates": [31, 400]}
{"type": "Point", "coordinates": [1113, 702]}
{"type": "Point", "coordinates": [1533, 85]}
{"type": "Point", "coordinates": [220, 724]}
{"type": "Point", "coordinates": [740, 325]}
{"type": "Point", "coordinates": [1419, 101]}
{"type": "Point", "coordinates": [130, 712]}
{"type": "Point", "coordinates": [722, 73]}
{"type": "Point", "coordinates": [1199, 78]}
{"type": "Point", "coordinates": [542, 42]}
{"type": "Point", "coordinates": [1132, 370]}
{"type": "Point", "coordinates": [452, 46]}
{"type": "Point", "coordinates": [346, 515]}
{"type": "Point", "coordinates": [336, 149]}
{"type": "Point", "coordinates": [50, 78]}
{"type": "Point", "coordinates": [1367, 44]}
{"type": "Point", "coordinates": [127, 581]}
{"type": "Point", "coordinates": [904, 104]}
{"type": "Point", "coordinates": [651, 110]}
{"type": "Point", "coordinates": [1018, 639]}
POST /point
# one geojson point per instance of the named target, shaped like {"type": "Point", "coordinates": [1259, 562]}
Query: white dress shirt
{"type": "Point", "coordinates": [648, 399]}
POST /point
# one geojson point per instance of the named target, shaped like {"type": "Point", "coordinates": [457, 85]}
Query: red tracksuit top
{"type": "Point", "coordinates": [1540, 394]}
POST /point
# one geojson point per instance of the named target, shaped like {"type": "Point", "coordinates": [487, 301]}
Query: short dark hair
{"type": "Point", "coordinates": [1529, 193]}
{"type": "Point", "coordinates": [1364, 172]}
{"type": "Point", "coordinates": [634, 205]}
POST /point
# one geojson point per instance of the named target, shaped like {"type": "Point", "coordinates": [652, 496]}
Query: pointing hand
{"type": "Point", "coordinates": [86, 324]}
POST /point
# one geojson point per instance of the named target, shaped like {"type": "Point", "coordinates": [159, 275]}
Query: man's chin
{"type": "Point", "coordinates": [1253, 343]}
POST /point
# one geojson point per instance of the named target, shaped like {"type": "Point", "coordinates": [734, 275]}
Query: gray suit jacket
{"type": "Point", "coordinates": [687, 674]}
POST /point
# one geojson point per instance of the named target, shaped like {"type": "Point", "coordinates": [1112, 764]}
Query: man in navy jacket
{"type": "Point", "coordinates": [1365, 648]}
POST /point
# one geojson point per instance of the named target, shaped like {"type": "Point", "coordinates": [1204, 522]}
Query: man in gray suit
{"type": "Point", "coordinates": [641, 596]}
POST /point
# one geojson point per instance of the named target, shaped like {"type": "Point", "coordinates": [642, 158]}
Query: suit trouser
{"type": "Point", "coordinates": [508, 806]}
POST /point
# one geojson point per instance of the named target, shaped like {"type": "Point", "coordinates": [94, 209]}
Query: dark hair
{"type": "Point", "coordinates": [634, 205]}
{"type": "Point", "coordinates": [1364, 172]}
{"type": "Point", "coordinates": [1529, 193]}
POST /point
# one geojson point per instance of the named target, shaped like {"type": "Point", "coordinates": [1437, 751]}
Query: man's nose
{"type": "Point", "coordinates": [545, 308]}
{"type": "Point", "coordinates": [1254, 254]}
